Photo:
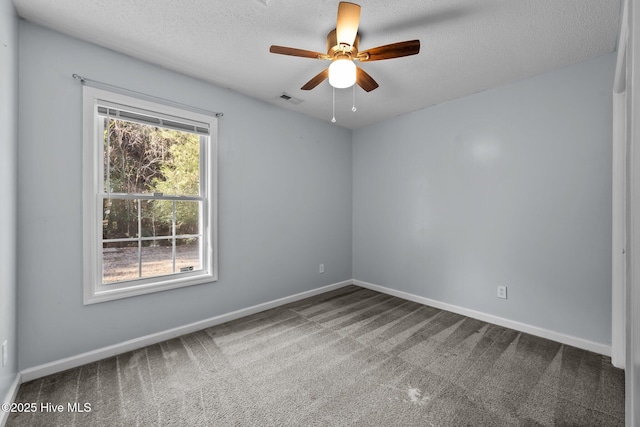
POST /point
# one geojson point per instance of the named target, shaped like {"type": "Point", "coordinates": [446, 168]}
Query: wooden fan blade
{"type": "Point", "coordinates": [347, 22]}
{"type": "Point", "coordinates": [364, 80]}
{"type": "Point", "coordinates": [319, 78]}
{"type": "Point", "coordinates": [390, 51]}
{"type": "Point", "coordinates": [282, 50]}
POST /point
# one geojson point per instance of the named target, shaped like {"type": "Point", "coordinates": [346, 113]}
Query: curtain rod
{"type": "Point", "coordinates": [99, 85]}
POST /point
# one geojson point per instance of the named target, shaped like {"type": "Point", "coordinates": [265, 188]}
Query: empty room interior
{"type": "Point", "coordinates": [207, 222]}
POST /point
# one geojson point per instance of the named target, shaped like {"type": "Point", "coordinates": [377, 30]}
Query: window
{"type": "Point", "coordinates": [149, 196]}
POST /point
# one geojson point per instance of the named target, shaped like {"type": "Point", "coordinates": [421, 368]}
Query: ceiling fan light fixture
{"type": "Point", "coordinates": [343, 48]}
{"type": "Point", "coordinates": [342, 73]}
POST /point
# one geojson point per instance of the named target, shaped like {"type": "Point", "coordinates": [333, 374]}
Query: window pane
{"type": "Point", "coordinates": [187, 217]}
{"type": "Point", "coordinates": [157, 218]}
{"type": "Point", "coordinates": [119, 261]}
{"type": "Point", "coordinates": [157, 257]}
{"type": "Point", "coordinates": [147, 159]}
{"type": "Point", "coordinates": [119, 218]}
{"type": "Point", "coordinates": [131, 155]}
{"type": "Point", "coordinates": [181, 170]}
{"type": "Point", "coordinates": [188, 254]}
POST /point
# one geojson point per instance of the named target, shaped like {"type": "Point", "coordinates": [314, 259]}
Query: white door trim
{"type": "Point", "coordinates": [632, 371]}
{"type": "Point", "coordinates": [619, 201]}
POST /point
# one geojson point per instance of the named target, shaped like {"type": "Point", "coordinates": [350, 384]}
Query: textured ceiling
{"type": "Point", "coordinates": [466, 45]}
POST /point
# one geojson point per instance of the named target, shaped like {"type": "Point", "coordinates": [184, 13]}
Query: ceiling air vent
{"type": "Point", "coordinates": [290, 98]}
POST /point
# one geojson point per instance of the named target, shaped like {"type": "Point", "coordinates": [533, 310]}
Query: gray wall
{"type": "Point", "coordinates": [284, 202]}
{"type": "Point", "coordinates": [8, 188]}
{"type": "Point", "coordinates": [511, 186]}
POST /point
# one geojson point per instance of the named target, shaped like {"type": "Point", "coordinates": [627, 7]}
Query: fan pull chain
{"type": "Point", "coordinates": [354, 99]}
{"type": "Point", "coordinates": [333, 119]}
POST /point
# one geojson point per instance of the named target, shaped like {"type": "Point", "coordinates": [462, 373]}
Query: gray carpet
{"type": "Point", "coordinates": [347, 357]}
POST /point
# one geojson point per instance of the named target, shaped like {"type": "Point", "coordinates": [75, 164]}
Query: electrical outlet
{"type": "Point", "coordinates": [321, 269]}
{"type": "Point", "coordinates": [502, 292]}
{"type": "Point", "coordinates": [5, 354]}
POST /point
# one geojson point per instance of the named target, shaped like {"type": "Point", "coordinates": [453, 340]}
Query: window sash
{"type": "Point", "coordinates": [205, 147]}
{"type": "Point", "coordinates": [173, 237]}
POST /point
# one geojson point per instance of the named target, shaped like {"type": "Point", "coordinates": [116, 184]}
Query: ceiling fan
{"type": "Point", "coordinates": [342, 51]}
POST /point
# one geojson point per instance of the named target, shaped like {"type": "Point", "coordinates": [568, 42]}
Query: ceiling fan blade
{"type": "Point", "coordinates": [319, 78]}
{"type": "Point", "coordinates": [390, 51]}
{"type": "Point", "coordinates": [282, 50]}
{"type": "Point", "coordinates": [364, 80]}
{"type": "Point", "coordinates": [347, 22]}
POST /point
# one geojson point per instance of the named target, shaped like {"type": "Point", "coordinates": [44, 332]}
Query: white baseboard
{"type": "Point", "coordinates": [500, 321]}
{"type": "Point", "coordinates": [10, 398]}
{"type": "Point", "coordinates": [112, 350]}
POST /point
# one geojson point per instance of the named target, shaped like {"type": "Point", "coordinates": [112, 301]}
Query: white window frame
{"type": "Point", "coordinates": [94, 291]}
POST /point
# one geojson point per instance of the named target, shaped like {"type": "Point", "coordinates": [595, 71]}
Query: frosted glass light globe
{"type": "Point", "coordinates": [342, 73]}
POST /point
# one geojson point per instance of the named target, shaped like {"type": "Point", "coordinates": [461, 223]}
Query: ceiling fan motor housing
{"type": "Point", "coordinates": [336, 50]}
